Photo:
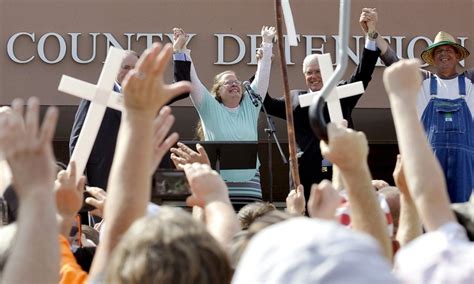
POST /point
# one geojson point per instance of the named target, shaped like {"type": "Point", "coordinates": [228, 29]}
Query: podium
{"type": "Point", "coordinates": [229, 155]}
{"type": "Point", "coordinates": [223, 155]}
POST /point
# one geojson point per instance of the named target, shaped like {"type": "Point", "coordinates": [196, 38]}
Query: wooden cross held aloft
{"type": "Point", "coordinates": [101, 96]}
{"type": "Point", "coordinates": [344, 91]}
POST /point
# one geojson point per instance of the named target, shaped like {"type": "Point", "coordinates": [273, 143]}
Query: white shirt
{"type": "Point", "coordinates": [447, 89]}
{"type": "Point", "coordinates": [441, 256]}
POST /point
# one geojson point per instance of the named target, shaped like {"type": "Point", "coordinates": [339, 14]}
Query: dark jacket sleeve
{"type": "Point", "coordinates": [363, 73]}
{"type": "Point", "coordinates": [78, 122]}
{"type": "Point", "coordinates": [366, 67]}
{"type": "Point", "coordinates": [275, 107]}
{"type": "Point", "coordinates": [181, 72]}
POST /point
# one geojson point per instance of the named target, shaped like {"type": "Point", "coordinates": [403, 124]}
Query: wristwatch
{"type": "Point", "coordinates": [373, 35]}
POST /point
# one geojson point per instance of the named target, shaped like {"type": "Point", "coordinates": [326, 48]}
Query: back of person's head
{"type": "Point", "coordinates": [392, 196]}
{"type": "Point", "coordinates": [303, 250]}
{"type": "Point", "coordinates": [91, 234]}
{"type": "Point", "coordinates": [242, 239]}
{"type": "Point", "coordinates": [465, 216]}
{"type": "Point", "coordinates": [168, 248]}
{"type": "Point", "coordinates": [7, 240]}
{"type": "Point", "coordinates": [252, 211]}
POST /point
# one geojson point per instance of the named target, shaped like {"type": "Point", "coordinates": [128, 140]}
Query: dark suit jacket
{"type": "Point", "coordinates": [310, 161]}
{"type": "Point", "coordinates": [102, 154]}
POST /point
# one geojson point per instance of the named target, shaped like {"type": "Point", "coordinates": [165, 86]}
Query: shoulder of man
{"type": "Point", "coordinates": [294, 95]}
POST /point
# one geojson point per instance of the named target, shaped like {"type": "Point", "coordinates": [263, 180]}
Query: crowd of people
{"type": "Point", "coordinates": [349, 229]}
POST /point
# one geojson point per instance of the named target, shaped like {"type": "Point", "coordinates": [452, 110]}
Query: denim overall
{"type": "Point", "coordinates": [450, 130]}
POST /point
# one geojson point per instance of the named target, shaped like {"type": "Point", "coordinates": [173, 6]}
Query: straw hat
{"type": "Point", "coordinates": [443, 38]}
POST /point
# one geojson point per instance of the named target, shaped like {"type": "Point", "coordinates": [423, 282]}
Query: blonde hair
{"type": "Point", "coordinates": [168, 248]}
{"type": "Point", "coordinates": [241, 240]}
{"type": "Point", "coordinates": [200, 131]}
{"type": "Point", "coordinates": [250, 212]}
{"type": "Point", "coordinates": [218, 84]}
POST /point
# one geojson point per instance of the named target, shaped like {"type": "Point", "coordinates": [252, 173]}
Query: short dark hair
{"type": "Point", "coordinates": [242, 238]}
{"type": "Point", "coordinates": [252, 211]}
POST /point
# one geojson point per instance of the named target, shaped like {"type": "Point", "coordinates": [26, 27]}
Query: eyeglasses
{"type": "Point", "coordinates": [232, 82]}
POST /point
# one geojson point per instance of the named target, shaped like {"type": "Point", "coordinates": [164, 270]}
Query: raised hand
{"type": "Point", "coordinates": [28, 150]}
{"type": "Point", "coordinates": [206, 185]}
{"type": "Point", "coordinates": [268, 33]}
{"type": "Point", "coordinates": [161, 126]}
{"type": "Point", "coordinates": [378, 184]}
{"type": "Point", "coordinates": [97, 200]}
{"type": "Point", "coordinates": [368, 19]}
{"type": "Point", "coordinates": [323, 201]}
{"type": "Point", "coordinates": [399, 177]}
{"type": "Point", "coordinates": [346, 148]}
{"type": "Point", "coordinates": [180, 38]}
{"type": "Point", "coordinates": [28, 147]}
{"type": "Point", "coordinates": [402, 80]}
{"type": "Point", "coordinates": [184, 155]}
{"type": "Point", "coordinates": [69, 195]}
{"type": "Point", "coordinates": [144, 87]}
{"type": "Point", "coordinates": [295, 202]}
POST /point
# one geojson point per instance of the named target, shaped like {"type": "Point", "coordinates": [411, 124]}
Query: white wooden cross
{"type": "Point", "coordinates": [290, 25]}
{"type": "Point", "coordinates": [101, 96]}
{"type": "Point", "coordinates": [344, 91]}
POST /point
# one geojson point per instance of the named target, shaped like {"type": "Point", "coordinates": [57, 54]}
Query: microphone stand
{"type": "Point", "coordinates": [271, 131]}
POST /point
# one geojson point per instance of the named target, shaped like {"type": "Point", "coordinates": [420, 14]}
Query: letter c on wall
{"type": "Point", "coordinates": [11, 47]}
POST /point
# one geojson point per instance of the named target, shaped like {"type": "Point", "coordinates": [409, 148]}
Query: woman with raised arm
{"type": "Point", "coordinates": [227, 112]}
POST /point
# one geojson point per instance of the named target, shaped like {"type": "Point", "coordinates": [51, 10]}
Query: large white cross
{"type": "Point", "coordinates": [344, 91]}
{"type": "Point", "coordinates": [101, 96]}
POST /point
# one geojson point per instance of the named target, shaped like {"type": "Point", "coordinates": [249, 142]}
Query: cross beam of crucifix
{"type": "Point", "coordinates": [101, 96]}
{"type": "Point", "coordinates": [340, 92]}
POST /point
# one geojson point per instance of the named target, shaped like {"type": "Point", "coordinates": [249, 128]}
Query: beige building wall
{"type": "Point", "coordinates": [403, 21]}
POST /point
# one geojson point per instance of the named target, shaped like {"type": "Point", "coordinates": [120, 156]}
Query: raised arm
{"type": "Point", "coordinates": [186, 71]}
{"type": "Point", "coordinates": [69, 197]}
{"type": "Point", "coordinates": [368, 22]}
{"type": "Point", "coordinates": [210, 192]}
{"type": "Point", "coordinates": [262, 76]}
{"type": "Point", "coordinates": [29, 152]}
{"type": "Point", "coordinates": [423, 174]}
{"type": "Point", "coordinates": [130, 176]}
{"type": "Point", "coordinates": [348, 150]}
{"type": "Point", "coordinates": [409, 224]}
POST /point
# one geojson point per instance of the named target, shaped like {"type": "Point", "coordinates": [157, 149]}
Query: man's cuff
{"type": "Point", "coordinates": [184, 55]}
{"type": "Point", "coordinates": [370, 44]}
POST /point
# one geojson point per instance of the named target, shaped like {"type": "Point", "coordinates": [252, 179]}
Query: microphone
{"type": "Point", "coordinates": [251, 93]}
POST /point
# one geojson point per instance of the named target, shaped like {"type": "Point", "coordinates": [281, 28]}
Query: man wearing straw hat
{"type": "Point", "coordinates": [445, 105]}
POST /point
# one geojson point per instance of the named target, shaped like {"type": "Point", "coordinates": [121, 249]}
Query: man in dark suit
{"type": "Point", "coordinates": [310, 159]}
{"type": "Point", "coordinates": [102, 154]}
